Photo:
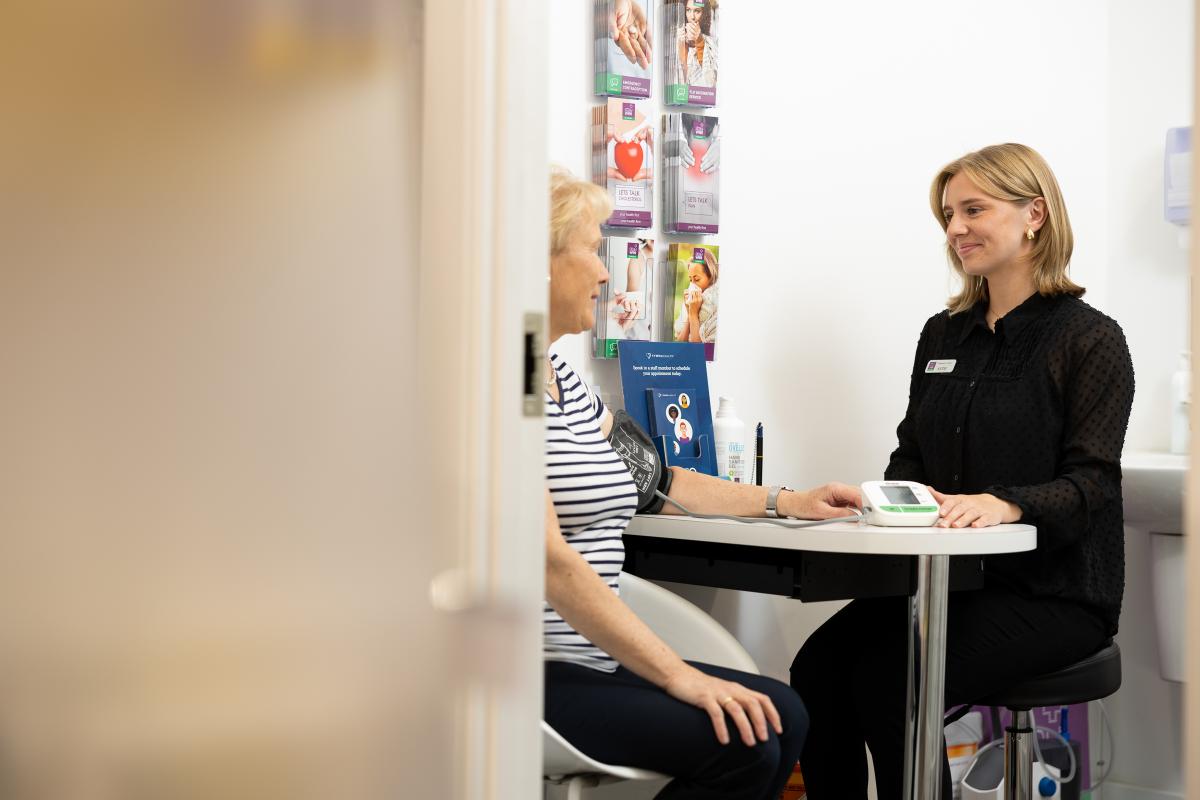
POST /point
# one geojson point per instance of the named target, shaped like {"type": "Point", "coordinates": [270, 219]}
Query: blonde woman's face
{"type": "Point", "coordinates": [987, 234]}
{"type": "Point", "coordinates": [576, 275]}
{"type": "Point", "coordinates": [698, 276]}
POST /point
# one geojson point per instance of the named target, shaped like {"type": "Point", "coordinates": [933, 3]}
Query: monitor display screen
{"type": "Point", "coordinates": [900, 495]}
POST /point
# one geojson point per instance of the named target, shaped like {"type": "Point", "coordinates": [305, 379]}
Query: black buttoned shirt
{"type": "Point", "coordinates": [1034, 413]}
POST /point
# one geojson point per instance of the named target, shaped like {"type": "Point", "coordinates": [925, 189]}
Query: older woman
{"type": "Point", "coordinates": [1017, 410]}
{"type": "Point", "coordinates": [613, 688]}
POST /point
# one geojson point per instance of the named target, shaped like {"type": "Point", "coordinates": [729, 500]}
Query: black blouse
{"type": "Point", "coordinates": [1034, 414]}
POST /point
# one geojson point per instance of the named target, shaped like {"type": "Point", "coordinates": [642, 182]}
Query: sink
{"type": "Point", "coordinates": [1152, 488]}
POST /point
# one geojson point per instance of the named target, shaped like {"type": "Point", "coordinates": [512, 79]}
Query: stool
{"type": "Point", "coordinates": [1094, 678]}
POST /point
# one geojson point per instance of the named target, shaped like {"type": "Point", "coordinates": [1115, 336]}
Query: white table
{"type": "Point", "coordinates": [932, 548]}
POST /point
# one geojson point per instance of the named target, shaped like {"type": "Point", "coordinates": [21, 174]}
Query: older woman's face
{"type": "Point", "coordinates": [576, 275]}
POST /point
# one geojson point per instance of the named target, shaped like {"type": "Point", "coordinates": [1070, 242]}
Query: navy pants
{"type": "Point", "coordinates": [622, 719]}
{"type": "Point", "coordinates": [852, 674]}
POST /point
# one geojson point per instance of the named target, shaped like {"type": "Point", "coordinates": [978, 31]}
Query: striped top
{"type": "Point", "coordinates": [594, 497]}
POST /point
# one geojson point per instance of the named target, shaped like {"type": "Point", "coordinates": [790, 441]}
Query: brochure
{"type": "Point", "coordinates": [623, 161]}
{"type": "Point", "coordinates": [657, 375]}
{"type": "Point", "coordinates": [693, 272]}
{"type": "Point", "coordinates": [691, 43]}
{"type": "Point", "coordinates": [624, 308]}
{"type": "Point", "coordinates": [691, 175]}
{"type": "Point", "coordinates": [673, 417]}
{"type": "Point", "coordinates": [624, 47]}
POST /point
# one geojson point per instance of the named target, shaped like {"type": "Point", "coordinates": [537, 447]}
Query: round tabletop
{"type": "Point", "coordinates": [841, 537]}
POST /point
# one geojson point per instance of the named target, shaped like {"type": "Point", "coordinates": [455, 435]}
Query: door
{"type": "Point", "coordinates": [263, 492]}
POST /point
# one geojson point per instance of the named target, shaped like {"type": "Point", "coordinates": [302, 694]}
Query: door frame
{"type": "Point", "coordinates": [483, 264]}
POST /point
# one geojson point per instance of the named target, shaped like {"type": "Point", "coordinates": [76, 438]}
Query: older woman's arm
{"type": "Point", "coordinates": [581, 597]}
{"type": "Point", "coordinates": [708, 495]}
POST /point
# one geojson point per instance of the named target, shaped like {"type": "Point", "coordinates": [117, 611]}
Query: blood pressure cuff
{"type": "Point", "coordinates": [634, 447]}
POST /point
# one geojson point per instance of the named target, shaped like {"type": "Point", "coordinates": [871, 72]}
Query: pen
{"type": "Point", "coordinates": [758, 454]}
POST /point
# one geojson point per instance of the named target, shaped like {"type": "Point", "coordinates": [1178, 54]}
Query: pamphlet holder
{"type": "Point", "coordinates": [691, 455]}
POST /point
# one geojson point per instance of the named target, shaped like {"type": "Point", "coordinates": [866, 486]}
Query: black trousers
{"type": "Point", "coordinates": [852, 672]}
{"type": "Point", "coordinates": [622, 719]}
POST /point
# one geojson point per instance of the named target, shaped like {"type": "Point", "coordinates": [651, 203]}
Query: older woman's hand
{"type": "Point", "coordinates": [974, 510]}
{"type": "Point", "coordinates": [822, 502]}
{"type": "Point", "coordinates": [749, 710]}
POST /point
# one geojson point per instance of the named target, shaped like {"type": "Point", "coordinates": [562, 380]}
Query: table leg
{"type": "Point", "coordinates": [923, 744]}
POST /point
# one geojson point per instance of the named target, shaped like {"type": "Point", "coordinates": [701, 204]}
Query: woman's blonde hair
{"type": "Point", "coordinates": [573, 200]}
{"type": "Point", "coordinates": [1017, 174]}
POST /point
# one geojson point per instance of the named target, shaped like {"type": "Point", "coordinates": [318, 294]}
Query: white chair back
{"type": "Point", "coordinates": [691, 633]}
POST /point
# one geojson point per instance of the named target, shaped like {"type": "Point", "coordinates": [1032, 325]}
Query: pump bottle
{"type": "Point", "coordinates": [730, 433]}
{"type": "Point", "coordinates": [1181, 402]}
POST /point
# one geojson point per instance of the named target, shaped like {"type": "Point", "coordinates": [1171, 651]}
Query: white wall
{"type": "Point", "coordinates": [834, 119]}
{"type": "Point", "coordinates": [1149, 77]}
{"type": "Point", "coordinates": [1150, 63]}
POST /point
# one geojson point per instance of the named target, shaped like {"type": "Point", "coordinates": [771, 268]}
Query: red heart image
{"type": "Point", "coordinates": [628, 156]}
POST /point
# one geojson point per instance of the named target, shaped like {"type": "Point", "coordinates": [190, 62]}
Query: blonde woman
{"type": "Point", "coordinates": [1017, 411]}
{"type": "Point", "coordinates": [613, 688]}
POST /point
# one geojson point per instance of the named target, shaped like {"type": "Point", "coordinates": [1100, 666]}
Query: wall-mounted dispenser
{"type": "Point", "coordinates": [1177, 176]}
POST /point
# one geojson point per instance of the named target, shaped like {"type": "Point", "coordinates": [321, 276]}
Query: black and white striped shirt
{"type": "Point", "coordinates": [594, 497]}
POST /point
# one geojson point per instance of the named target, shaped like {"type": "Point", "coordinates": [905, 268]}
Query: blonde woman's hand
{"type": "Point", "coordinates": [750, 711]}
{"type": "Point", "coordinates": [973, 510]}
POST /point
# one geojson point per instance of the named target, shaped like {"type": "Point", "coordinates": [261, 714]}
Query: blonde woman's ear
{"type": "Point", "coordinates": [1037, 213]}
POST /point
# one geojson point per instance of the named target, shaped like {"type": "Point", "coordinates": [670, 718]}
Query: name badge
{"type": "Point", "coordinates": [945, 365]}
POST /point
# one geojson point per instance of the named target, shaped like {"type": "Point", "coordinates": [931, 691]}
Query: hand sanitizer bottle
{"type": "Point", "coordinates": [730, 433]}
{"type": "Point", "coordinates": [1181, 403]}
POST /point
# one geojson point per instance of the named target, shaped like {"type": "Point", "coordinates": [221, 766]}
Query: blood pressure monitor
{"type": "Point", "coordinates": [898, 503]}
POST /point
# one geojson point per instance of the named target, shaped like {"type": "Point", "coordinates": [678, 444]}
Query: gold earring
{"type": "Point", "coordinates": [1029, 234]}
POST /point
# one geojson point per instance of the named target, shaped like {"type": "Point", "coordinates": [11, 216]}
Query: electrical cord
{"type": "Point", "coordinates": [980, 752]}
{"type": "Point", "coordinates": [1112, 752]}
{"type": "Point", "coordinates": [1037, 749]}
{"type": "Point", "coordinates": [786, 522]}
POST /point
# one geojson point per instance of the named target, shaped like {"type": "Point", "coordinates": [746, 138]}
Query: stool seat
{"type": "Point", "coordinates": [1093, 678]}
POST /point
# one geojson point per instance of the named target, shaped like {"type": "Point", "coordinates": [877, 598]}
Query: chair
{"type": "Point", "coordinates": [1094, 678]}
{"type": "Point", "coordinates": [691, 633]}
